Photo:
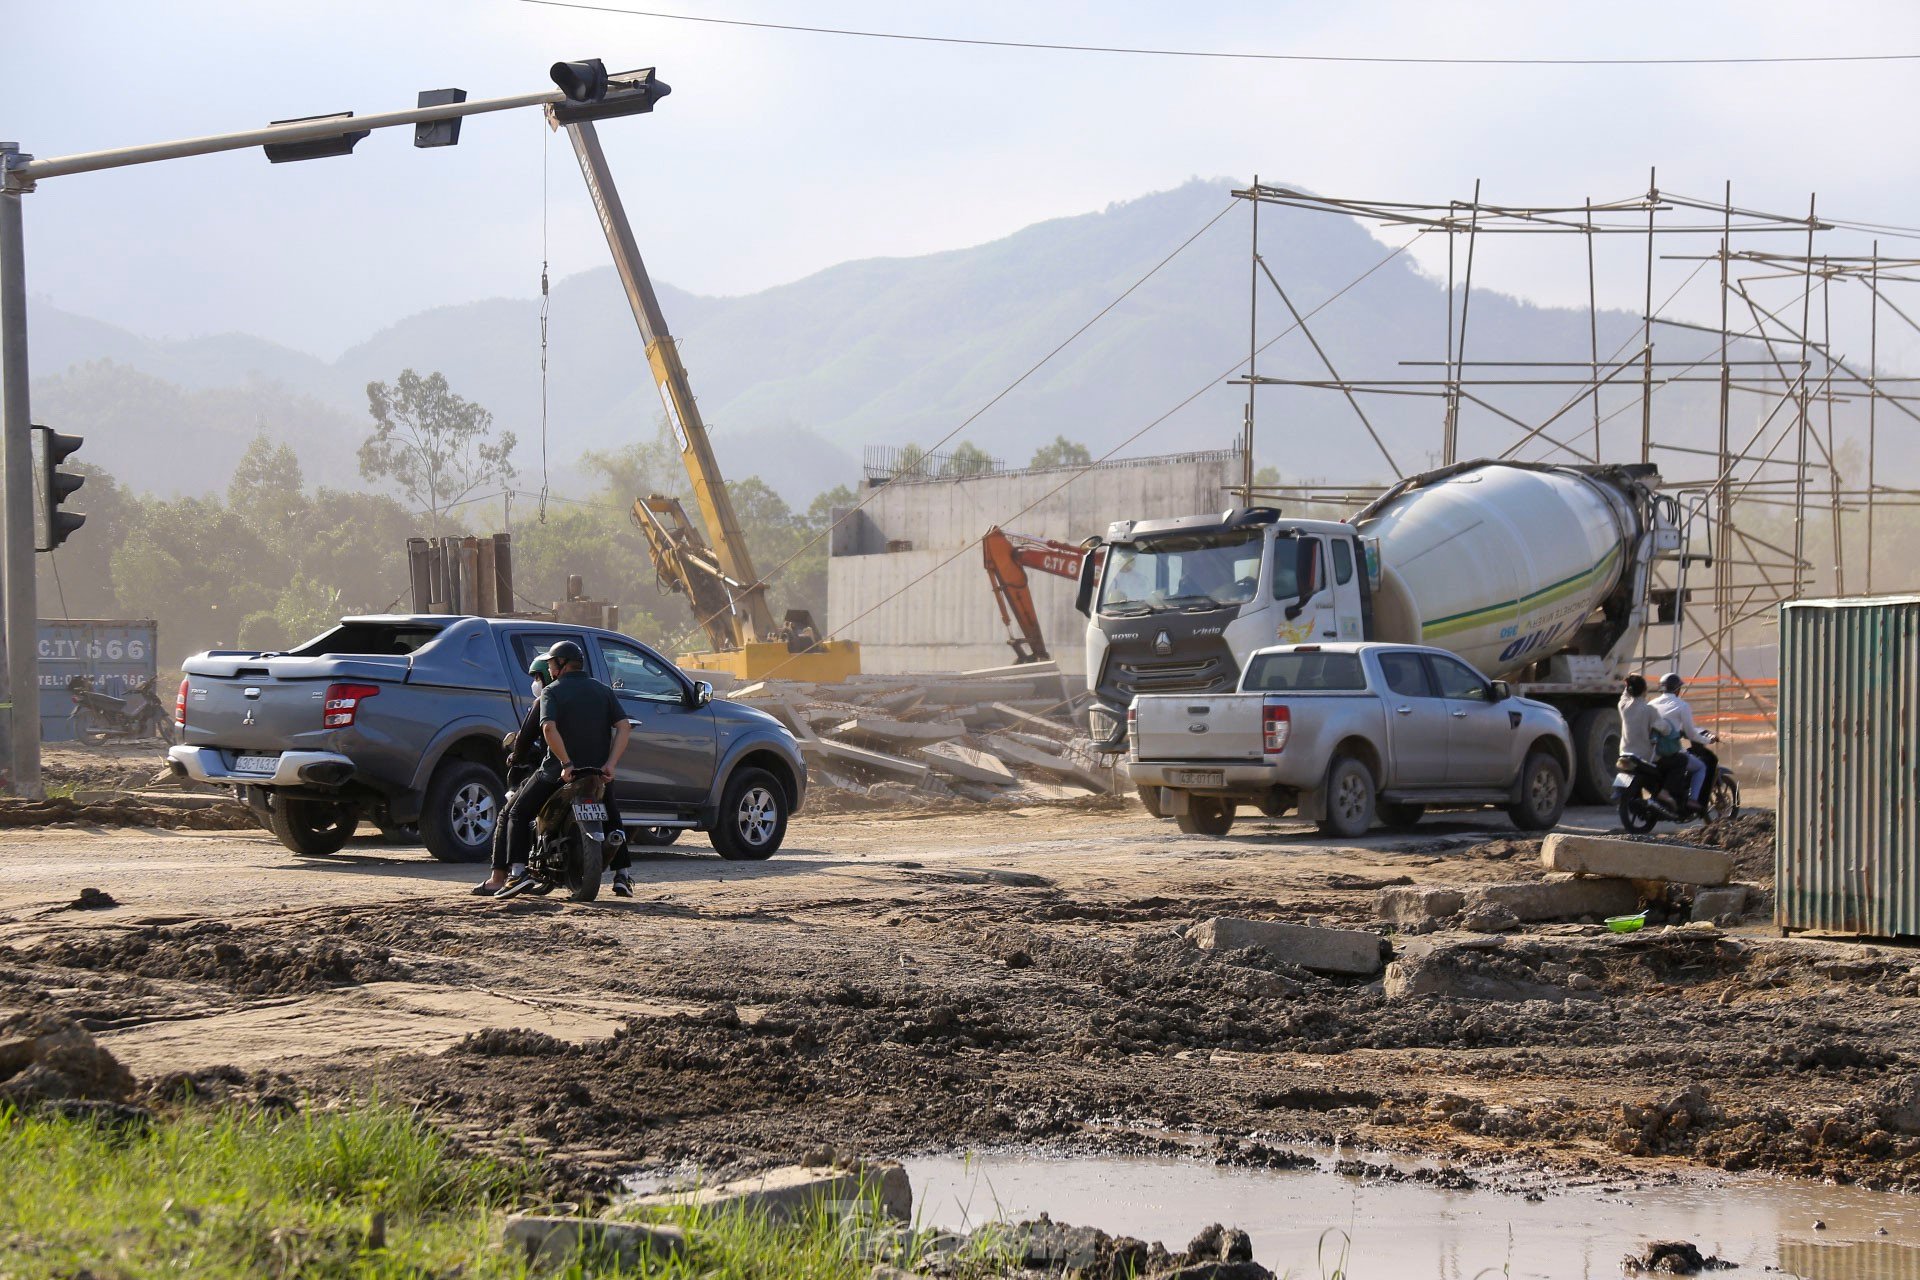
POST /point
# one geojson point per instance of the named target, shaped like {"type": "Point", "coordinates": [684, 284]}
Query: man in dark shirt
{"type": "Point", "coordinates": [584, 727]}
{"type": "Point", "coordinates": [528, 747]}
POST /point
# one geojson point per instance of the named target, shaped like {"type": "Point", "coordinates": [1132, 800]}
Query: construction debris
{"type": "Point", "coordinates": [1634, 859]}
{"type": "Point", "coordinates": [1007, 735]}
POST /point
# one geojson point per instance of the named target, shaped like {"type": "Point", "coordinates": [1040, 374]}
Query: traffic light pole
{"type": "Point", "coordinates": [19, 658]}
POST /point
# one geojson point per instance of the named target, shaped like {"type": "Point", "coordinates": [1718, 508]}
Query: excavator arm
{"type": "Point", "coordinates": [1008, 556]}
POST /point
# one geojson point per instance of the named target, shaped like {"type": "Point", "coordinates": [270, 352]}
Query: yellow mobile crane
{"type": "Point", "coordinates": [728, 598]}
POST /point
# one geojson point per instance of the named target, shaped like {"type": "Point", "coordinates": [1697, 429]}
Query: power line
{"type": "Point", "coordinates": [1223, 54]}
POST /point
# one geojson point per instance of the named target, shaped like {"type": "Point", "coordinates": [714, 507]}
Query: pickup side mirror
{"type": "Point", "coordinates": [702, 693]}
{"type": "Point", "coordinates": [1306, 559]}
{"type": "Point", "coordinates": [1089, 578]}
{"type": "Point", "coordinates": [1502, 691]}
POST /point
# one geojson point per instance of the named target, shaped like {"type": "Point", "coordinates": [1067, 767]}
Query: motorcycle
{"type": "Point", "coordinates": [1644, 793]}
{"type": "Point", "coordinates": [571, 841]}
{"type": "Point", "coordinates": [98, 717]}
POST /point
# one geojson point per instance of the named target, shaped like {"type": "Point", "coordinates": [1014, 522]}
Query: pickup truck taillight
{"type": "Point", "coordinates": [1276, 726]}
{"type": "Point", "coordinates": [1133, 726]}
{"type": "Point", "coordinates": [180, 705]}
{"type": "Point", "coordinates": [343, 703]}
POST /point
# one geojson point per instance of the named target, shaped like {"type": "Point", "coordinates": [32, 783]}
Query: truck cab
{"type": "Point", "coordinates": [1178, 599]}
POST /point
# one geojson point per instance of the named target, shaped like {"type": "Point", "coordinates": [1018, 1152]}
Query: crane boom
{"type": "Point", "coordinates": [750, 616]}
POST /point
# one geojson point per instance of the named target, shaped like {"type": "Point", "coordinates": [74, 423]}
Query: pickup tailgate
{"type": "Point", "coordinates": [1171, 726]}
{"type": "Point", "coordinates": [273, 704]}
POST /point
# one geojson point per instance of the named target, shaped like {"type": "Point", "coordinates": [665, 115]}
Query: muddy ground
{"type": "Point", "coordinates": [896, 983]}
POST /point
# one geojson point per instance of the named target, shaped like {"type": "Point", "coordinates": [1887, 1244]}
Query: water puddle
{"type": "Point", "coordinates": [1416, 1231]}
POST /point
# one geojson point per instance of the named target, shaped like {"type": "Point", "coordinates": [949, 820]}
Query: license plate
{"type": "Point", "coordinates": [590, 813]}
{"type": "Point", "coordinates": [255, 764]}
{"type": "Point", "coordinates": [1622, 779]}
{"type": "Point", "coordinates": [1199, 778]}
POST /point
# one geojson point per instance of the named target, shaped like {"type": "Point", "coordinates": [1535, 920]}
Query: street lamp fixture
{"type": "Point", "coordinates": [338, 144]}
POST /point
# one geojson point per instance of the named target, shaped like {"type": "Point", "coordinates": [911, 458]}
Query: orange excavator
{"type": "Point", "coordinates": [1008, 556]}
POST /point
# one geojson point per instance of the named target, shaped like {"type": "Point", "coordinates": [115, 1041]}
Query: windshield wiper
{"type": "Point", "coordinates": [1127, 609]}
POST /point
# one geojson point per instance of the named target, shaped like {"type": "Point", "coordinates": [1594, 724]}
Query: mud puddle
{"type": "Point", "coordinates": [1411, 1230]}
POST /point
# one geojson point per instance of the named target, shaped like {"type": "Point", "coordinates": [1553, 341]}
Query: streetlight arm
{"type": "Point", "coordinates": [22, 176]}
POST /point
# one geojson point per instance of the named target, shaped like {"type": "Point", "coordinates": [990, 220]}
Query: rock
{"type": "Point", "coordinates": [1466, 970]}
{"type": "Point", "coordinates": [46, 1058]}
{"type": "Point", "coordinates": [1349, 951]}
{"type": "Point", "coordinates": [92, 900]}
{"type": "Point", "coordinates": [1488, 917]}
{"type": "Point", "coordinates": [1563, 899]}
{"type": "Point", "coordinates": [1408, 907]}
{"type": "Point", "coordinates": [794, 1190]}
{"type": "Point", "coordinates": [1673, 1257]}
{"type": "Point", "coordinates": [1896, 1104]}
{"type": "Point", "coordinates": [551, 1240]}
{"type": "Point", "coordinates": [1723, 905]}
{"type": "Point", "coordinates": [1634, 859]}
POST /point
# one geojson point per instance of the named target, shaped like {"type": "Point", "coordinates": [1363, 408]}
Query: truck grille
{"type": "Point", "coordinates": [1211, 670]}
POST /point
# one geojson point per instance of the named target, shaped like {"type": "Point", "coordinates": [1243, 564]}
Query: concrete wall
{"type": "Point", "coordinates": [932, 608]}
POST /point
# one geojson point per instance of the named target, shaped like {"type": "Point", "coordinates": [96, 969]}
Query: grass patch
{"type": "Point", "coordinates": [371, 1192]}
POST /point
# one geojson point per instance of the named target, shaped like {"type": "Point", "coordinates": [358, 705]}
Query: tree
{"type": "Point", "coordinates": [1062, 452]}
{"type": "Point", "coordinates": [435, 445]}
{"type": "Point", "coordinates": [968, 460]}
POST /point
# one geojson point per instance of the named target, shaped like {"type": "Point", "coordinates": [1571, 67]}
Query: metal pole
{"type": "Point", "coordinates": [1873, 402]}
{"type": "Point", "coordinates": [1833, 461]}
{"type": "Point", "coordinates": [1593, 332]}
{"type": "Point", "coordinates": [1723, 518]}
{"type": "Point", "coordinates": [1800, 457]}
{"type": "Point", "coordinates": [1253, 352]}
{"type": "Point", "coordinates": [19, 674]}
{"type": "Point", "coordinates": [1646, 330]}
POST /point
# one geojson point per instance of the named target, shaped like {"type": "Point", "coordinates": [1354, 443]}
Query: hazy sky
{"type": "Point", "coordinates": [782, 153]}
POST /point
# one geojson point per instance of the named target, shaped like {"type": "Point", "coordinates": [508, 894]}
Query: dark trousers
{"type": "Point", "coordinates": [513, 837]}
{"type": "Point", "coordinates": [1712, 762]}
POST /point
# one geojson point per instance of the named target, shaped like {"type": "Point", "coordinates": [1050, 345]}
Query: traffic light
{"type": "Point", "coordinates": [592, 94]}
{"type": "Point", "coordinates": [54, 487]}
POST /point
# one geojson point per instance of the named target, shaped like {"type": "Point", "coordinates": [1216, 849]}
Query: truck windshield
{"type": "Point", "coordinates": [1304, 673]}
{"type": "Point", "coordinates": [1201, 572]}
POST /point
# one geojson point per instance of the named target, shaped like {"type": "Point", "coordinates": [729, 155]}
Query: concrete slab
{"type": "Point", "coordinates": [1634, 859]}
{"type": "Point", "coordinates": [1349, 951]}
{"type": "Point", "coordinates": [906, 732]}
{"type": "Point", "coordinates": [1722, 904]}
{"type": "Point", "coordinates": [1557, 899]}
{"type": "Point", "coordinates": [1038, 724]}
{"type": "Point", "coordinates": [795, 1190]}
{"type": "Point", "coordinates": [845, 753]}
{"type": "Point", "coordinates": [1405, 906]}
{"type": "Point", "coordinates": [1051, 762]}
{"type": "Point", "coordinates": [967, 764]}
{"type": "Point", "coordinates": [551, 1241]}
{"type": "Point", "coordinates": [964, 693]}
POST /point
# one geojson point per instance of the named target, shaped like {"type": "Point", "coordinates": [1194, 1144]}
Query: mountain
{"type": "Point", "coordinates": [795, 380]}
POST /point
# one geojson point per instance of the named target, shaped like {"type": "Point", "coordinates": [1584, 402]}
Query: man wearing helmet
{"type": "Point", "coordinates": [1701, 763]}
{"type": "Point", "coordinates": [522, 760]}
{"type": "Point", "coordinates": [582, 726]}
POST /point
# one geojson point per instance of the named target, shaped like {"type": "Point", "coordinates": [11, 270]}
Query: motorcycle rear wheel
{"type": "Point", "coordinates": [583, 868]}
{"type": "Point", "coordinates": [89, 729]}
{"type": "Point", "coordinates": [1636, 819]}
{"type": "Point", "coordinates": [1723, 798]}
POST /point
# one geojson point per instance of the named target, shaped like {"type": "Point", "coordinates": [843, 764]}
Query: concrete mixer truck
{"type": "Point", "coordinates": [1538, 575]}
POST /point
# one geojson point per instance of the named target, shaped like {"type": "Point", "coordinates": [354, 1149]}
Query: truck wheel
{"type": "Point", "coordinates": [311, 828]}
{"type": "Point", "coordinates": [1350, 792]}
{"type": "Point", "coordinates": [1401, 817]}
{"type": "Point", "coordinates": [1206, 816]}
{"type": "Point", "coordinates": [461, 810]}
{"type": "Point", "coordinates": [1543, 793]}
{"type": "Point", "coordinates": [1150, 797]}
{"type": "Point", "coordinates": [753, 817]}
{"type": "Point", "coordinates": [1596, 745]}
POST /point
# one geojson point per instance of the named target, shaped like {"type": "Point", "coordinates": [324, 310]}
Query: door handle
{"type": "Point", "coordinates": [1459, 715]}
{"type": "Point", "coordinates": [1404, 711]}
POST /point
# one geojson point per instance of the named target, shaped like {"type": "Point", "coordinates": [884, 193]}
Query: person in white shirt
{"type": "Point", "coordinates": [1701, 763]}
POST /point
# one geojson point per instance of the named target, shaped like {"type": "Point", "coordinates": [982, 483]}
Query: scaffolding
{"type": "Point", "coordinates": [1772, 359]}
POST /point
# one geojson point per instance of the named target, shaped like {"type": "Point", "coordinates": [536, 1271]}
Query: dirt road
{"type": "Point", "coordinates": [964, 978]}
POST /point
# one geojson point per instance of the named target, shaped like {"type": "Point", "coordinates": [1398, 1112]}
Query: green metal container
{"type": "Point", "coordinates": [1847, 849]}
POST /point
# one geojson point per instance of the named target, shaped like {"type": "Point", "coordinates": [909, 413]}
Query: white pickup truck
{"type": "Point", "coordinates": [1345, 733]}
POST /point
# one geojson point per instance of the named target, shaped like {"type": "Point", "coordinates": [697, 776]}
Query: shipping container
{"type": "Point", "coordinates": [1847, 859]}
{"type": "Point", "coordinates": [117, 654]}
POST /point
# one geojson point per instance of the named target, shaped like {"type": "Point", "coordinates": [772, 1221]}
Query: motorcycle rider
{"type": "Point", "coordinates": [1702, 764]}
{"type": "Point", "coordinates": [528, 746]}
{"type": "Point", "coordinates": [1648, 733]}
{"type": "Point", "coordinates": [583, 726]}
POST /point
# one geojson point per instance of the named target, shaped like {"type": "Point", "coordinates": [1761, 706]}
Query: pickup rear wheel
{"type": "Point", "coordinates": [311, 828]}
{"type": "Point", "coordinates": [753, 817]}
{"type": "Point", "coordinates": [462, 809]}
{"type": "Point", "coordinates": [1543, 793]}
{"type": "Point", "coordinates": [1350, 798]}
{"type": "Point", "coordinates": [1206, 816]}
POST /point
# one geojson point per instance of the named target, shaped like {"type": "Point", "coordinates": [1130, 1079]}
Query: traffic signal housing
{"type": "Point", "coordinates": [54, 486]}
{"type": "Point", "coordinates": [593, 94]}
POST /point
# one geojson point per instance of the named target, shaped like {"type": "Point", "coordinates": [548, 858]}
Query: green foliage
{"type": "Point", "coordinates": [1062, 452]}
{"type": "Point", "coordinates": [435, 445]}
{"type": "Point", "coordinates": [968, 460]}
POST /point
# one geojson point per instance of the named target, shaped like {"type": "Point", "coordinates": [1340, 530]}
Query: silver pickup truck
{"type": "Point", "coordinates": [398, 720]}
{"type": "Point", "coordinates": [1345, 733]}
